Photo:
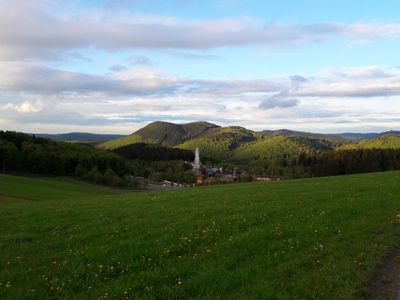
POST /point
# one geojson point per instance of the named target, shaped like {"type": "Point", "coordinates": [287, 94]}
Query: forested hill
{"type": "Point", "coordinates": [389, 141]}
{"type": "Point", "coordinates": [164, 133]}
{"type": "Point", "coordinates": [289, 157]}
{"type": "Point", "coordinates": [335, 138]}
{"type": "Point", "coordinates": [25, 153]}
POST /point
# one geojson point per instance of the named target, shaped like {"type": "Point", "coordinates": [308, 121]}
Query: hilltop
{"type": "Point", "coordinates": [215, 140]}
{"type": "Point", "coordinates": [220, 142]}
{"type": "Point", "coordinates": [239, 144]}
{"type": "Point", "coordinates": [164, 133]}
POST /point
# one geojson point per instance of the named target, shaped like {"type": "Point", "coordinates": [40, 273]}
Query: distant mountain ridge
{"type": "Point", "coordinates": [387, 141]}
{"type": "Point", "coordinates": [80, 136]}
{"type": "Point", "coordinates": [334, 137]}
{"type": "Point", "coordinates": [367, 136]}
{"type": "Point", "coordinates": [233, 142]}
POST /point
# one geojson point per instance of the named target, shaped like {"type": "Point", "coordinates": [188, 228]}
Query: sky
{"type": "Point", "coordinates": [113, 66]}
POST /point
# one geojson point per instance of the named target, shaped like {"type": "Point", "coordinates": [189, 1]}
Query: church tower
{"type": "Point", "coordinates": [197, 162]}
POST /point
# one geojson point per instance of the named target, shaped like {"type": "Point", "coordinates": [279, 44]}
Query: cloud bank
{"type": "Point", "coordinates": [28, 30]}
{"type": "Point", "coordinates": [39, 91]}
{"type": "Point", "coordinates": [42, 95]}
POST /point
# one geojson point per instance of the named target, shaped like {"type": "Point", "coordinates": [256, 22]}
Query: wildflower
{"type": "Point", "coordinates": [397, 219]}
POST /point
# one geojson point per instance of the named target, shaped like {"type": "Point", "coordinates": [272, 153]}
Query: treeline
{"type": "Point", "coordinates": [172, 170]}
{"type": "Point", "coordinates": [352, 161]}
{"type": "Point", "coordinates": [27, 153]}
{"type": "Point", "coordinates": [30, 154]}
{"type": "Point", "coordinates": [158, 162]}
{"type": "Point", "coordinates": [333, 163]}
{"type": "Point", "coordinates": [152, 152]}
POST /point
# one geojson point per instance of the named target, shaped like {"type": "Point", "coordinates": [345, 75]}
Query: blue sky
{"type": "Point", "coordinates": [114, 66]}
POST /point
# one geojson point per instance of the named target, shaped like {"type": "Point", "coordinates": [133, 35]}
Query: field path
{"type": "Point", "coordinates": [386, 284]}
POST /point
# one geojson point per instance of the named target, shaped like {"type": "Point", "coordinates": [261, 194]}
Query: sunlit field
{"type": "Point", "coordinates": [300, 239]}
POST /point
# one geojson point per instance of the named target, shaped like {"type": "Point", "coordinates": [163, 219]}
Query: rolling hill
{"type": "Point", "coordinates": [80, 136]}
{"type": "Point", "coordinates": [221, 142]}
{"type": "Point", "coordinates": [389, 141]}
{"type": "Point", "coordinates": [124, 141]}
{"type": "Point", "coordinates": [321, 238]}
{"type": "Point", "coordinates": [334, 138]}
{"type": "Point", "coordinates": [224, 143]}
{"type": "Point", "coordinates": [241, 144]}
{"type": "Point", "coordinates": [329, 139]}
{"type": "Point", "coordinates": [367, 136]}
{"type": "Point", "coordinates": [273, 147]}
{"type": "Point", "coordinates": [164, 133]}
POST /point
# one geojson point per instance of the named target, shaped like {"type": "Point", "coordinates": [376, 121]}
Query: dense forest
{"type": "Point", "coordinates": [25, 153]}
{"type": "Point", "coordinates": [122, 167]}
{"type": "Point", "coordinates": [153, 152]}
{"type": "Point", "coordinates": [340, 162]}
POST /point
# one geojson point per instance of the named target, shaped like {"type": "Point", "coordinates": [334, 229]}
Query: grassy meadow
{"type": "Point", "coordinates": [318, 238]}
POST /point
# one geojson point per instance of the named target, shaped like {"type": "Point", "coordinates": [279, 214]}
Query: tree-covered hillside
{"type": "Point", "coordinates": [331, 139]}
{"type": "Point", "coordinates": [164, 133]}
{"type": "Point", "coordinates": [154, 152]}
{"type": "Point", "coordinates": [124, 141]}
{"type": "Point", "coordinates": [270, 148]}
{"type": "Point", "coordinates": [25, 153]}
{"type": "Point", "coordinates": [389, 141]}
{"type": "Point", "coordinates": [219, 143]}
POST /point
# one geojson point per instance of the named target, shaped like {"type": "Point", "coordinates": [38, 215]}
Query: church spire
{"type": "Point", "coordinates": [197, 162]}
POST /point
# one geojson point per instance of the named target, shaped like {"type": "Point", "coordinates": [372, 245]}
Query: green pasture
{"type": "Point", "coordinates": [319, 238]}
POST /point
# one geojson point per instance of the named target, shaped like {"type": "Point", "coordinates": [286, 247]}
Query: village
{"type": "Point", "coordinates": [206, 175]}
{"type": "Point", "coordinates": [217, 174]}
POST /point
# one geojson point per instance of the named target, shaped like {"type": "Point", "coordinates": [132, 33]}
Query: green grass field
{"type": "Point", "coordinates": [302, 239]}
{"type": "Point", "coordinates": [39, 189]}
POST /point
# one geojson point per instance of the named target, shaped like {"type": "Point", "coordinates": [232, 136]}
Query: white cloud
{"type": "Point", "coordinates": [31, 31]}
{"type": "Point", "coordinates": [36, 96]}
{"type": "Point", "coordinates": [24, 107]}
{"type": "Point", "coordinates": [275, 102]}
{"type": "Point", "coordinates": [320, 102]}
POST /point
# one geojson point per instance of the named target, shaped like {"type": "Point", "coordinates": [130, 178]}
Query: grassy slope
{"type": "Point", "coordinates": [383, 142]}
{"type": "Point", "coordinates": [39, 189]}
{"type": "Point", "coordinates": [117, 143]}
{"type": "Point", "coordinates": [304, 239]}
